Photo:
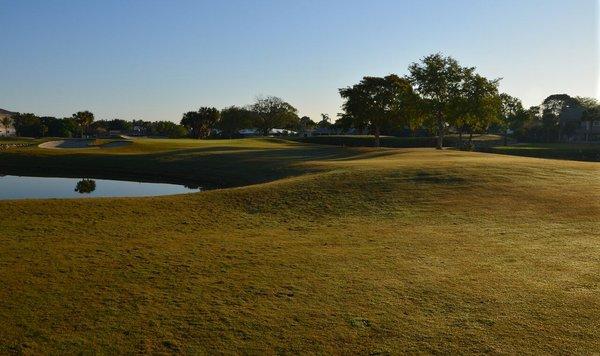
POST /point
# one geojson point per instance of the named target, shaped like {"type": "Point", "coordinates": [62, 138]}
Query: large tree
{"type": "Point", "coordinates": [482, 103]}
{"type": "Point", "coordinates": [166, 129]}
{"type": "Point", "coordinates": [438, 79]}
{"type": "Point", "coordinates": [201, 122]}
{"type": "Point", "coordinates": [512, 115]}
{"type": "Point", "coordinates": [28, 125]}
{"type": "Point", "coordinates": [84, 119]}
{"type": "Point", "coordinates": [272, 112]}
{"type": "Point", "coordinates": [377, 102]}
{"type": "Point", "coordinates": [233, 119]}
{"type": "Point", "coordinates": [305, 123]}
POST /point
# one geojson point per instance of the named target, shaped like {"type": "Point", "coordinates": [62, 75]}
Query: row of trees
{"type": "Point", "coordinates": [82, 123]}
{"type": "Point", "coordinates": [558, 117]}
{"type": "Point", "coordinates": [265, 114]}
{"type": "Point", "coordinates": [439, 94]}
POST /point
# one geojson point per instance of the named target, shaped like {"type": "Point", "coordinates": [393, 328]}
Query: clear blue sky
{"type": "Point", "coordinates": [154, 60]}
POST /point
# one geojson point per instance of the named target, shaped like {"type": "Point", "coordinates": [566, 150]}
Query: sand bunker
{"type": "Point", "coordinates": [82, 143]}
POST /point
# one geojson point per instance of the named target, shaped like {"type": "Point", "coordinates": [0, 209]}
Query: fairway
{"type": "Point", "coordinates": [313, 249]}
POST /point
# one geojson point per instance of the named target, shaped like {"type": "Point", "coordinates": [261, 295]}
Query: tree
{"type": "Point", "coordinates": [6, 123]}
{"type": "Point", "coordinates": [272, 112]}
{"type": "Point", "coordinates": [119, 125]}
{"type": "Point", "coordinates": [438, 80]}
{"type": "Point", "coordinates": [305, 124]}
{"type": "Point", "coordinates": [553, 108]}
{"type": "Point", "coordinates": [512, 114]}
{"type": "Point", "coordinates": [345, 122]}
{"type": "Point", "coordinates": [55, 127]}
{"type": "Point", "coordinates": [201, 122]}
{"type": "Point", "coordinates": [85, 186]}
{"type": "Point", "coordinates": [28, 125]}
{"type": "Point", "coordinates": [378, 101]}
{"type": "Point", "coordinates": [591, 113]}
{"type": "Point", "coordinates": [477, 105]}
{"type": "Point", "coordinates": [233, 119]}
{"type": "Point", "coordinates": [84, 119]}
{"type": "Point", "coordinates": [166, 129]}
{"type": "Point", "coordinates": [325, 122]}
{"type": "Point", "coordinates": [482, 103]}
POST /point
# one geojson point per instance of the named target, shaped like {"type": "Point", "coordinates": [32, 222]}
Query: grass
{"type": "Point", "coordinates": [331, 250]}
{"type": "Point", "coordinates": [572, 151]}
{"type": "Point", "coordinates": [392, 141]}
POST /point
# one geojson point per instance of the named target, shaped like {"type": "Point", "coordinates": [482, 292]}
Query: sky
{"type": "Point", "coordinates": [154, 60]}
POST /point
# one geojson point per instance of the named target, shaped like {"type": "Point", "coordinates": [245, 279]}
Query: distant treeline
{"type": "Point", "coordinates": [263, 116]}
{"type": "Point", "coordinates": [78, 125]}
{"type": "Point", "coordinates": [437, 97]}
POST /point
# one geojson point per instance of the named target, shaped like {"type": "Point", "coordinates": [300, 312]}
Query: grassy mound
{"type": "Point", "coordinates": [579, 152]}
{"type": "Point", "coordinates": [332, 250]}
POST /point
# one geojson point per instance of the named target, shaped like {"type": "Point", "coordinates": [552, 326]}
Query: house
{"type": "Point", "coordinates": [588, 131]}
{"type": "Point", "coordinates": [6, 131]}
{"type": "Point", "coordinates": [571, 121]}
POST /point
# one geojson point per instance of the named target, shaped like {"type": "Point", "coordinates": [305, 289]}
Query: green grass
{"type": "Point", "coordinates": [572, 151]}
{"type": "Point", "coordinates": [331, 250]}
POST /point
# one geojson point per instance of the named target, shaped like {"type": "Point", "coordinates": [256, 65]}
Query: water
{"type": "Point", "coordinates": [17, 187]}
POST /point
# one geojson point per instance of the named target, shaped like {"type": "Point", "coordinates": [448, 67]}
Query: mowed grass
{"type": "Point", "coordinates": [574, 151]}
{"type": "Point", "coordinates": [332, 250]}
{"type": "Point", "coordinates": [397, 142]}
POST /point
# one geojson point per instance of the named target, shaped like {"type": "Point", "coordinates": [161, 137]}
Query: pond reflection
{"type": "Point", "coordinates": [85, 186]}
{"type": "Point", "coordinates": [20, 187]}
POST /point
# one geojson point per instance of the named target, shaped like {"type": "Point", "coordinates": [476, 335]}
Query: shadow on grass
{"type": "Point", "coordinates": [221, 166]}
{"type": "Point", "coordinates": [427, 177]}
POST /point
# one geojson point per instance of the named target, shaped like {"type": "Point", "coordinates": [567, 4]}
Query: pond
{"type": "Point", "coordinates": [19, 187]}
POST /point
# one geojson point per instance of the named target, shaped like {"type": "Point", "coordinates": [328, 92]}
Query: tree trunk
{"type": "Point", "coordinates": [470, 137]}
{"type": "Point", "coordinates": [589, 131]}
{"type": "Point", "coordinates": [560, 132]}
{"type": "Point", "coordinates": [376, 136]}
{"type": "Point", "coordinates": [460, 132]}
{"type": "Point", "coordinates": [440, 137]}
{"type": "Point", "coordinates": [506, 137]}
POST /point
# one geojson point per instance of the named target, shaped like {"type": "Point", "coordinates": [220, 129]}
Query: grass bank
{"type": "Point", "coordinates": [392, 141]}
{"type": "Point", "coordinates": [332, 250]}
{"type": "Point", "coordinates": [571, 151]}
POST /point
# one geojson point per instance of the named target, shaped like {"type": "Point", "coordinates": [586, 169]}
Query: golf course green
{"type": "Point", "coordinates": [303, 248]}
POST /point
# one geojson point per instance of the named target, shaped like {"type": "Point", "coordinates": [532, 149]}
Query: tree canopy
{"type": "Point", "coordinates": [272, 112]}
{"type": "Point", "coordinates": [201, 122]}
{"type": "Point", "coordinates": [84, 119]}
{"type": "Point", "coordinates": [378, 101]}
{"type": "Point", "coordinates": [235, 118]}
